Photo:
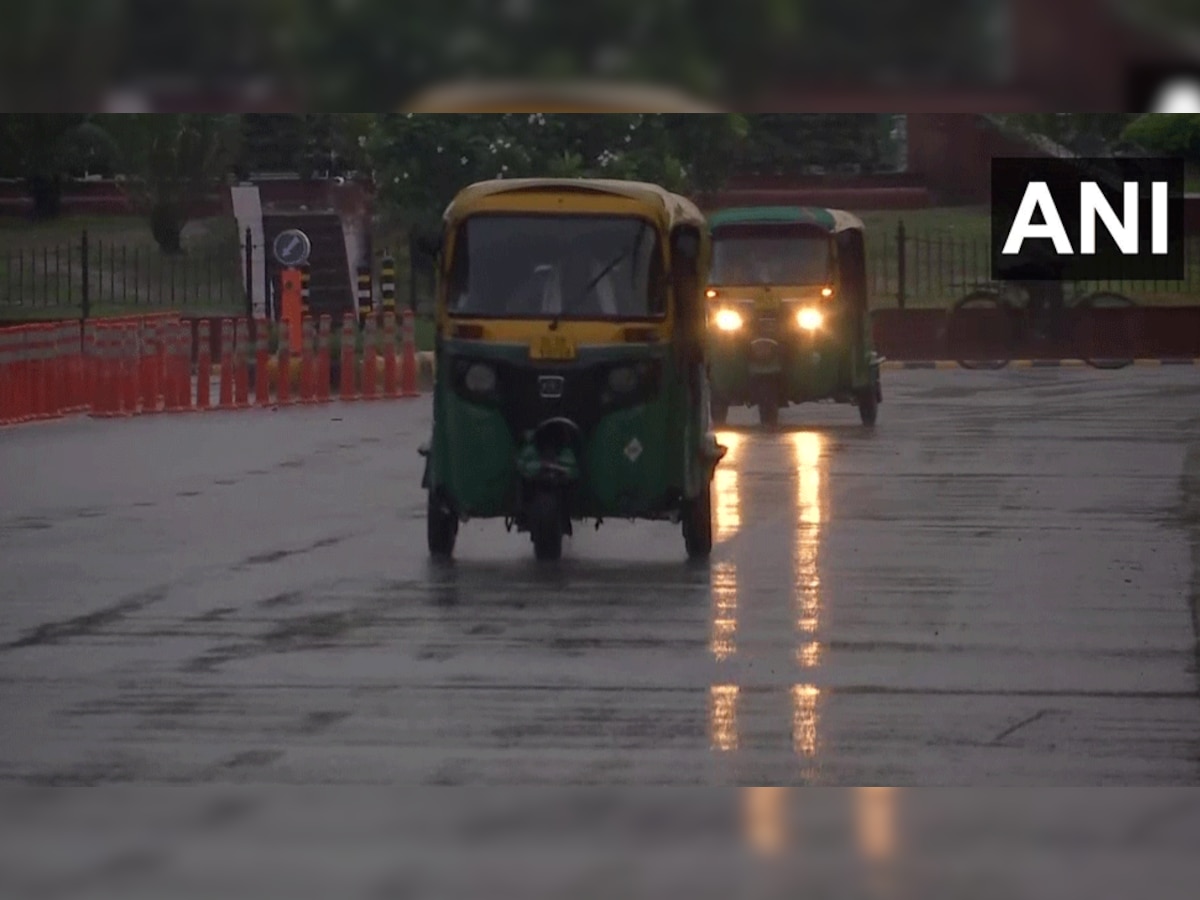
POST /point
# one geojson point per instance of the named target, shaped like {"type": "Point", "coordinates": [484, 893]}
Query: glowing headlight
{"type": "Point", "coordinates": [809, 319]}
{"type": "Point", "coordinates": [827, 292]}
{"type": "Point", "coordinates": [728, 320]}
{"type": "Point", "coordinates": [480, 379]}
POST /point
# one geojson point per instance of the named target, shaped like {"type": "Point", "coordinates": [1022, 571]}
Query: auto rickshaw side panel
{"type": "Point", "coordinates": [473, 448]}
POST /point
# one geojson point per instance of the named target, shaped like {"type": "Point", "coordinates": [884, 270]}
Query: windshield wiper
{"type": "Point", "coordinates": [624, 254]}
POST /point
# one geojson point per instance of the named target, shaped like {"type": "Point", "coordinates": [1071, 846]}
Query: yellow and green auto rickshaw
{"type": "Point", "coordinates": [570, 361]}
{"type": "Point", "coordinates": [788, 319]}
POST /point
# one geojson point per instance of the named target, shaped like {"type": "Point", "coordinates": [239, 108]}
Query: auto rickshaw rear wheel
{"type": "Point", "coordinates": [546, 525]}
{"type": "Point", "coordinates": [441, 528]}
{"type": "Point", "coordinates": [697, 524]}
{"type": "Point", "coordinates": [868, 404]}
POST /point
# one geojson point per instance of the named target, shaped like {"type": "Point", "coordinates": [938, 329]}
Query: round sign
{"type": "Point", "coordinates": [292, 247]}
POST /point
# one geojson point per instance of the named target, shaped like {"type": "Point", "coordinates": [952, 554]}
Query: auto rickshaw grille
{"type": "Point", "coordinates": [767, 326]}
{"type": "Point", "coordinates": [583, 395]}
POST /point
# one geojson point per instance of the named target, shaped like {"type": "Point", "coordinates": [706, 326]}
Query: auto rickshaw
{"type": "Point", "coordinates": [570, 361]}
{"type": "Point", "coordinates": [788, 319]}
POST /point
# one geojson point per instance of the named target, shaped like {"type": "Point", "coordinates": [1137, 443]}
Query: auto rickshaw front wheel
{"type": "Point", "coordinates": [719, 410]}
{"type": "Point", "coordinates": [441, 528]}
{"type": "Point", "coordinates": [697, 524]}
{"type": "Point", "coordinates": [546, 525]}
{"type": "Point", "coordinates": [766, 398]}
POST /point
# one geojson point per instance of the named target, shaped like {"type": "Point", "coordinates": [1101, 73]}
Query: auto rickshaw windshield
{"type": "Point", "coordinates": [755, 259]}
{"type": "Point", "coordinates": [557, 266]}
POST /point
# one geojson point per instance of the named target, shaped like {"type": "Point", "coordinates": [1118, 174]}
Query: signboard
{"type": "Point", "coordinates": [292, 248]}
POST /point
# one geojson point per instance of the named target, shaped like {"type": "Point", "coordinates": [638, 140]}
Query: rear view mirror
{"type": "Point", "coordinates": [685, 245]}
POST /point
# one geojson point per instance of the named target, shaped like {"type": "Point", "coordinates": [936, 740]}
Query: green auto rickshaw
{"type": "Point", "coordinates": [570, 361]}
{"type": "Point", "coordinates": [788, 319]}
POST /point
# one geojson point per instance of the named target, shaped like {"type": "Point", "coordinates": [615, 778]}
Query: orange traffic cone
{"type": "Point", "coordinates": [408, 370]}
{"type": "Point", "coordinates": [283, 367]}
{"type": "Point", "coordinates": [324, 364]}
{"type": "Point", "coordinates": [347, 390]}
{"type": "Point", "coordinates": [204, 365]}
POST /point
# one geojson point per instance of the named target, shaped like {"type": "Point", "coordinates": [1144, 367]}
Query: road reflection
{"type": "Point", "coordinates": [723, 640]}
{"type": "Point", "coordinates": [875, 818]}
{"type": "Point", "coordinates": [813, 827]}
{"type": "Point", "coordinates": [727, 510]}
{"type": "Point", "coordinates": [807, 449]}
{"type": "Point", "coordinates": [723, 716]}
{"type": "Point", "coordinates": [764, 819]}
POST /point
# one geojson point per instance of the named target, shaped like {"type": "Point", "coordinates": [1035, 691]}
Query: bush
{"type": "Point", "coordinates": [1168, 134]}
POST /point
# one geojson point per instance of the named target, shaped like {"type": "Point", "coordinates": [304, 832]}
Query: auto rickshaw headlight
{"type": "Point", "coordinates": [480, 379]}
{"type": "Point", "coordinates": [624, 379]}
{"type": "Point", "coordinates": [728, 320]}
{"type": "Point", "coordinates": [809, 319]}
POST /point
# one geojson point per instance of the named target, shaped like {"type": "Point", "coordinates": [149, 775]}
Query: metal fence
{"type": "Point", "coordinates": [916, 268]}
{"type": "Point", "coordinates": [95, 275]}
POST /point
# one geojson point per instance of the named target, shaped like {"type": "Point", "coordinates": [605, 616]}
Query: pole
{"type": "Point", "coordinates": [249, 274]}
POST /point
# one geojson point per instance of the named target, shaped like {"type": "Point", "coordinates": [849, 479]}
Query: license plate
{"type": "Point", "coordinates": [769, 303]}
{"type": "Point", "coordinates": [552, 346]}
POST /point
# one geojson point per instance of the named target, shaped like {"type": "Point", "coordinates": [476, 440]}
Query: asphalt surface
{"type": "Point", "coordinates": [997, 586]}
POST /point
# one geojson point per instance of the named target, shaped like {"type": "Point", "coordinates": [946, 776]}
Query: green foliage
{"type": "Point", "coordinates": [174, 161]}
{"type": "Point", "coordinates": [44, 149]}
{"type": "Point", "coordinates": [309, 143]}
{"type": "Point", "coordinates": [1088, 134]}
{"type": "Point", "coordinates": [1169, 134]}
{"type": "Point", "coordinates": [421, 161]}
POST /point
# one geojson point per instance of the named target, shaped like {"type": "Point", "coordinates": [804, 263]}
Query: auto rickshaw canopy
{"type": "Point", "coordinates": [833, 221]}
{"type": "Point", "coordinates": [666, 208]}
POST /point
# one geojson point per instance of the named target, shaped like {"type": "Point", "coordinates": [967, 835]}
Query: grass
{"type": "Point", "coordinates": [42, 271]}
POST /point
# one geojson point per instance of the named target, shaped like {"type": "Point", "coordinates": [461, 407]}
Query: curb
{"type": "Point", "coordinates": [942, 364]}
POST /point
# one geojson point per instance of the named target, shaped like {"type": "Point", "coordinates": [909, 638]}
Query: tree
{"type": "Point", "coordinates": [1087, 134]}
{"type": "Point", "coordinates": [1175, 134]}
{"type": "Point", "coordinates": [313, 143]}
{"type": "Point", "coordinates": [781, 144]}
{"type": "Point", "coordinates": [174, 161]}
{"type": "Point", "coordinates": [44, 149]}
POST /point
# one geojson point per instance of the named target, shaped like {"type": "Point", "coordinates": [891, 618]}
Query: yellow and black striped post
{"type": "Point", "coordinates": [364, 293]}
{"type": "Point", "coordinates": [305, 293]}
{"type": "Point", "coordinates": [387, 283]}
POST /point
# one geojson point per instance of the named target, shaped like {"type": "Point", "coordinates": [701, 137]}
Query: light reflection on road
{"type": "Point", "coordinates": [807, 448]}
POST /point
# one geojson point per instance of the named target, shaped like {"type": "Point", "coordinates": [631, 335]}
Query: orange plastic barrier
{"type": "Point", "coordinates": [370, 360]}
{"type": "Point", "coordinates": [348, 389]}
{"type": "Point", "coordinates": [307, 376]}
{"type": "Point", "coordinates": [324, 333]}
{"type": "Point", "coordinates": [241, 365]}
{"type": "Point", "coordinates": [204, 365]}
{"type": "Point", "coordinates": [408, 369]}
{"type": "Point", "coordinates": [283, 368]}
{"type": "Point", "coordinates": [262, 378]}
{"type": "Point", "coordinates": [390, 388]}
{"type": "Point", "coordinates": [225, 398]}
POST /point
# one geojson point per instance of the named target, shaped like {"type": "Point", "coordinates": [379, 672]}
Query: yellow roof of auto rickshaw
{"type": "Point", "coordinates": [675, 208]}
{"type": "Point", "coordinates": [554, 97]}
{"type": "Point", "coordinates": [832, 220]}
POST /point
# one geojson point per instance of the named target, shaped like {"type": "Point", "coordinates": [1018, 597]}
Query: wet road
{"type": "Point", "coordinates": [997, 586]}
